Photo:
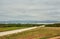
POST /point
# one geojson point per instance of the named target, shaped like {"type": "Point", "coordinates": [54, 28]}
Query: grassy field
{"type": "Point", "coordinates": [8, 27]}
{"type": "Point", "coordinates": [39, 33]}
{"type": "Point", "coordinates": [50, 30]}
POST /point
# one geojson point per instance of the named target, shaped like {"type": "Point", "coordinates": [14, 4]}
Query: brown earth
{"type": "Point", "coordinates": [58, 37]}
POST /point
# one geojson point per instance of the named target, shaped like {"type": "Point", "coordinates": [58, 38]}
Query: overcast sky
{"type": "Point", "coordinates": [29, 10]}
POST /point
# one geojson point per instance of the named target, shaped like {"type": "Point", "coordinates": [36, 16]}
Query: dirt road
{"type": "Point", "coordinates": [15, 31]}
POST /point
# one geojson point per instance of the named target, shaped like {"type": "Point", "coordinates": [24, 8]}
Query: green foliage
{"type": "Point", "coordinates": [53, 25]}
{"type": "Point", "coordinates": [19, 25]}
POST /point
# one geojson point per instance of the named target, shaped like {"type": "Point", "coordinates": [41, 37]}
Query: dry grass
{"type": "Point", "coordinates": [38, 33]}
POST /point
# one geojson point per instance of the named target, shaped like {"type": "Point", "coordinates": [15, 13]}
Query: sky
{"type": "Point", "coordinates": [29, 10]}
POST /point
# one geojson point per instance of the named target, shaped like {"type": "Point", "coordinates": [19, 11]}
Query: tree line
{"type": "Point", "coordinates": [19, 25]}
{"type": "Point", "coordinates": [53, 25]}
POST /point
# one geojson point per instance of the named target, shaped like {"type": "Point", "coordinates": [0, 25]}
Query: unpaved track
{"type": "Point", "coordinates": [18, 31]}
{"type": "Point", "coordinates": [15, 31]}
{"type": "Point", "coordinates": [58, 37]}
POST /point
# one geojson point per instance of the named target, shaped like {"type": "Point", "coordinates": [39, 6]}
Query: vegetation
{"type": "Point", "coordinates": [19, 25]}
{"type": "Point", "coordinates": [53, 25]}
{"type": "Point", "coordinates": [38, 33]}
{"type": "Point", "coordinates": [51, 30]}
{"type": "Point", "coordinates": [6, 27]}
{"type": "Point", "coordinates": [10, 28]}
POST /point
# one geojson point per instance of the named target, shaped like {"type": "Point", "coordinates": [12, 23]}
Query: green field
{"type": "Point", "coordinates": [10, 28]}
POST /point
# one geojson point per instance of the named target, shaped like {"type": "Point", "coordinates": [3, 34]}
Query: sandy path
{"type": "Point", "coordinates": [15, 31]}
{"type": "Point", "coordinates": [58, 37]}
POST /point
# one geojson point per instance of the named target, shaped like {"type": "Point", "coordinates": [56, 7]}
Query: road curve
{"type": "Point", "coordinates": [15, 31]}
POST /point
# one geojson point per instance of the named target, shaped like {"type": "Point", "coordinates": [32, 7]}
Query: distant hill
{"type": "Point", "coordinates": [12, 22]}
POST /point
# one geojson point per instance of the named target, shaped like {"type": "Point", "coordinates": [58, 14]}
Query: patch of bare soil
{"type": "Point", "coordinates": [58, 37]}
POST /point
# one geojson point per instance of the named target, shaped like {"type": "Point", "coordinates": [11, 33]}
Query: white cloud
{"type": "Point", "coordinates": [30, 10]}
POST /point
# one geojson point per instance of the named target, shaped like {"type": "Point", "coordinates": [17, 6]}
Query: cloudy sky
{"type": "Point", "coordinates": [29, 10]}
